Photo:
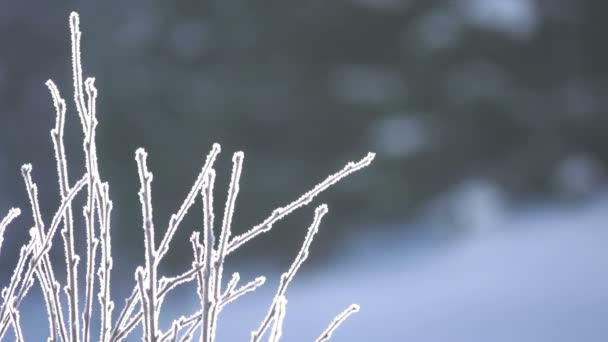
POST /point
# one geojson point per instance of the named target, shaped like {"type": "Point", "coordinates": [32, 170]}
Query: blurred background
{"type": "Point", "coordinates": [483, 216]}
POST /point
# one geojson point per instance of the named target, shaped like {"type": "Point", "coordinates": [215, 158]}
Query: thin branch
{"type": "Point", "coordinates": [197, 249]}
{"type": "Point", "coordinates": [233, 191]}
{"type": "Point", "coordinates": [10, 216]}
{"type": "Point", "coordinates": [191, 321]}
{"type": "Point", "coordinates": [16, 324]}
{"type": "Point", "coordinates": [42, 277]}
{"type": "Point", "coordinates": [306, 198]}
{"type": "Point", "coordinates": [89, 122]}
{"type": "Point", "coordinates": [277, 327]}
{"type": "Point", "coordinates": [287, 277]}
{"type": "Point", "coordinates": [188, 335]}
{"type": "Point", "coordinates": [67, 233]}
{"type": "Point", "coordinates": [231, 284]}
{"type": "Point", "coordinates": [34, 261]}
{"type": "Point", "coordinates": [140, 275]}
{"type": "Point", "coordinates": [237, 241]}
{"type": "Point", "coordinates": [208, 241]}
{"type": "Point", "coordinates": [173, 224]}
{"type": "Point", "coordinates": [249, 287]}
{"type": "Point", "coordinates": [9, 291]}
{"type": "Point", "coordinates": [45, 272]}
{"type": "Point", "coordinates": [336, 322]}
{"type": "Point", "coordinates": [174, 330]}
{"type": "Point", "coordinates": [77, 69]}
{"type": "Point", "coordinates": [166, 285]}
{"type": "Point", "coordinates": [107, 305]}
{"type": "Point", "coordinates": [90, 208]}
{"type": "Point", "coordinates": [126, 312]}
{"type": "Point", "coordinates": [145, 198]}
{"type": "Point", "coordinates": [177, 218]}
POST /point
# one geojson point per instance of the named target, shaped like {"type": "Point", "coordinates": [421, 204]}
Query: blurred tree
{"type": "Point", "coordinates": [506, 90]}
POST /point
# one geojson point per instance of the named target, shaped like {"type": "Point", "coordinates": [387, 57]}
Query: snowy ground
{"type": "Point", "coordinates": [540, 274]}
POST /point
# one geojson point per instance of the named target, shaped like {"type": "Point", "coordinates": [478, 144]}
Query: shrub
{"type": "Point", "coordinates": [146, 299]}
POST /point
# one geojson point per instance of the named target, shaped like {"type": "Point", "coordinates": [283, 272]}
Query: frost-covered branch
{"type": "Point", "coordinates": [220, 254]}
{"type": "Point", "coordinates": [336, 322]}
{"type": "Point", "coordinates": [67, 233]}
{"type": "Point", "coordinates": [105, 301]}
{"type": "Point", "coordinates": [173, 224]}
{"type": "Point", "coordinates": [288, 276]}
{"type": "Point", "coordinates": [87, 112]}
{"type": "Point", "coordinates": [16, 321]}
{"type": "Point", "coordinates": [10, 216]}
{"type": "Point", "coordinates": [149, 295]}
{"type": "Point", "coordinates": [233, 294]}
{"type": "Point", "coordinates": [206, 275]}
{"type": "Point", "coordinates": [177, 218]}
{"type": "Point", "coordinates": [149, 292]}
{"type": "Point", "coordinates": [306, 198]}
{"type": "Point", "coordinates": [8, 293]}
{"type": "Point", "coordinates": [45, 272]}
{"type": "Point", "coordinates": [277, 327]}
{"type": "Point", "coordinates": [24, 283]}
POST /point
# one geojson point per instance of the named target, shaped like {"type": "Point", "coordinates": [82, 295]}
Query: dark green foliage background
{"type": "Point", "coordinates": [176, 76]}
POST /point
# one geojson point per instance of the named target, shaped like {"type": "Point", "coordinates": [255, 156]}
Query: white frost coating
{"type": "Point", "coordinates": [44, 272]}
{"type": "Point", "coordinates": [287, 277]}
{"type": "Point", "coordinates": [104, 273]}
{"type": "Point", "coordinates": [12, 214]}
{"type": "Point", "coordinates": [15, 320]}
{"type": "Point", "coordinates": [218, 265]}
{"type": "Point", "coordinates": [8, 293]}
{"type": "Point", "coordinates": [86, 111]}
{"type": "Point", "coordinates": [249, 287]}
{"type": "Point", "coordinates": [232, 283]}
{"type": "Point", "coordinates": [281, 212]}
{"type": "Point", "coordinates": [77, 69]}
{"type": "Point", "coordinates": [177, 218]}
{"type": "Point", "coordinates": [149, 291]}
{"type": "Point", "coordinates": [210, 257]}
{"type": "Point", "coordinates": [335, 323]}
{"type": "Point", "coordinates": [208, 242]}
{"type": "Point", "coordinates": [25, 283]}
{"type": "Point", "coordinates": [277, 327]}
{"type": "Point", "coordinates": [67, 233]}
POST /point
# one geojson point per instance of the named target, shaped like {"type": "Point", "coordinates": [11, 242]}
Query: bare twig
{"type": "Point", "coordinates": [336, 322]}
{"type": "Point", "coordinates": [277, 327]}
{"type": "Point", "coordinates": [10, 216]}
{"type": "Point", "coordinates": [281, 212]}
{"type": "Point", "coordinates": [107, 305]}
{"type": "Point", "coordinates": [287, 277]}
{"type": "Point", "coordinates": [249, 287]}
{"type": "Point", "coordinates": [149, 292]}
{"type": "Point", "coordinates": [197, 249]}
{"type": "Point", "coordinates": [166, 285]}
{"type": "Point", "coordinates": [26, 281]}
{"type": "Point", "coordinates": [89, 123]}
{"type": "Point", "coordinates": [207, 299]}
{"type": "Point", "coordinates": [218, 262]}
{"type": "Point", "coordinates": [126, 312]}
{"type": "Point", "coordinates": [45, 272]}
{"type": "Point", "coordinates": [16, 324]}
{"type": "Point", "coordinates": [145, 305]}
{"type": "Point", "coordinates": [173, 224]}
{"type": "Point", "coordinates": [145, 197]}
{"type": "Point", "coordinates": [67, 233]}
{"type": "Point", "coordinates": [8, 292]}
{"type": "Point", "coordinates": [177, 218]}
